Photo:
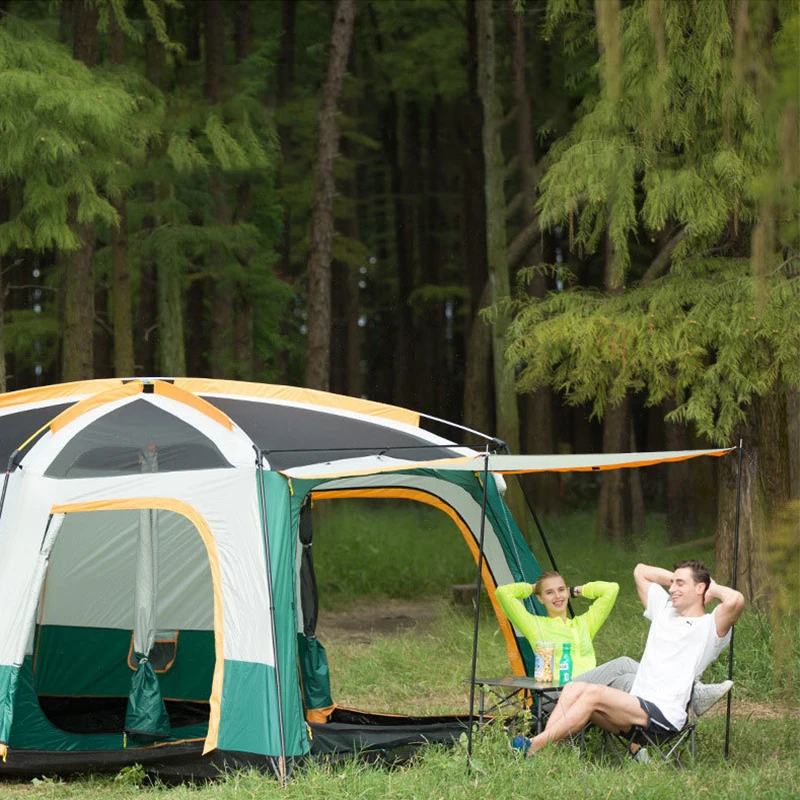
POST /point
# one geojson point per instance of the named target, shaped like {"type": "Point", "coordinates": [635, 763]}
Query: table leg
{"type": "Point", "coordinates": [538, 696]}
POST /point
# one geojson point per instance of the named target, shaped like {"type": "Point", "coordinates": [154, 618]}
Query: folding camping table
{"type": "Point", "coordinates": [517, 689]}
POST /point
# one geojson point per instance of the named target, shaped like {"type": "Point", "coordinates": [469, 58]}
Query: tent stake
{"type": "Point", "coordinates": [733, 586]}
{"type": "Point", "coordinates": [262, 496]}
{"type": "Point", "coordinates": [477, 611]}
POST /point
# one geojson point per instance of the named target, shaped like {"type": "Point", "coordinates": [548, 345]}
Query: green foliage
{"type": "Point", "coordinates": [65, 130]}
{"type": "Point", "coordinates": [696, 335]}
{"type": "Point", "coordinates": [30, 337]}
{"type": "Point", "coordinates": [691, 146]}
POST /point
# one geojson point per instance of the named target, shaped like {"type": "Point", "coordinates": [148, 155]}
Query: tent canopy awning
{"type": "Point", "coordinates": [503, 464]}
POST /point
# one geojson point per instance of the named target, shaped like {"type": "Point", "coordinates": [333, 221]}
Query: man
{"type": "Point", "coordinates": [683, 640]}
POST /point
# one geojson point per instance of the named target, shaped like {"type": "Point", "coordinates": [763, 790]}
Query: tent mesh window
{"type": "Point", "coordinates": [122, 440]}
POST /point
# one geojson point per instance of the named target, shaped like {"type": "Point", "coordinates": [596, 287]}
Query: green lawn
{"type": "Point", "coordinates": [365, 561]}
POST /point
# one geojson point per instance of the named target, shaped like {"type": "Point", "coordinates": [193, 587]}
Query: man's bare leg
{"type": "Point", "coordinates": [608, 707]}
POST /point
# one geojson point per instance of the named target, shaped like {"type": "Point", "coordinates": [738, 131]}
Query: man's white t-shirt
{"type": "Point", "coordinates": [678, 649]}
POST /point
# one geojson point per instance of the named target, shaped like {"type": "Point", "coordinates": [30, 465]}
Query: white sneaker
{"type": "Point", "coordinates": [708, 694]}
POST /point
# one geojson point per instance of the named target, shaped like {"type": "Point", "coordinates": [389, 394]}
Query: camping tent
{"type": "Point", "coordinates": [158, 588]}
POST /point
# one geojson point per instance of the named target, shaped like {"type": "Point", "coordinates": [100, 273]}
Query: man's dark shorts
{"type": "Point", "coordinates": [657, 723]}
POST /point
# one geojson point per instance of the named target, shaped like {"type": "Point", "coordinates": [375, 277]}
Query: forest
{"type": "Point", "coordinates": [573, 225]}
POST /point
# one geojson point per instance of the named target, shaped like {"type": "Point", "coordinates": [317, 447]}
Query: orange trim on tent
{"type": "Point", "coordinates": [185, 510]}
{"type": "Point", "coordinates": [197, 403]}
{"type": "Point", "coordinates": [101, 399]}
{"type": "Point", "coordinates": [296, 394]}
{"type": "Point", "coordinates": [420, 496]}
{"type": "Point", "coordinates": [320, 715]}
{"type": "Point", "coordinates": [58, 391]}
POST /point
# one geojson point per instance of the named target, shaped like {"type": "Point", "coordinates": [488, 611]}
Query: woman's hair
{"type": "Point", "coordinates": [537, 587]}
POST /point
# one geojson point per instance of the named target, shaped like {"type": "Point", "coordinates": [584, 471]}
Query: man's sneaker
{"type": "Point", "coordinates": [707, 694]}
{"type": "Point", "coordinates": [521, 744]}
{"type": "Point", "coordinates": [642, 756]}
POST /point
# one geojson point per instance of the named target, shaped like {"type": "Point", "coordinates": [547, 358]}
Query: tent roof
{"type": "Point", "coordinates": [292, 426]}
{"type": "Point", "coordinates": [507, 465]}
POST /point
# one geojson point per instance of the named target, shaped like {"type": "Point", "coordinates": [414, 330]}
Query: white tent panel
{"type": "Point", "coordinates": [91, 578]}
{"type": "Point", "coordinates": [224, 500]}
{"type": "Point", "coordinates": [502, 464]}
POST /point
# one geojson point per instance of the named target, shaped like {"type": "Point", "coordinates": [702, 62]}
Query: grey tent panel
{"type": "Point", "coordinates": [113, 443]}
{"type": "Point", "coordinates": [292, 436]}
{"type": "Point", "coordinates": [18, 426]}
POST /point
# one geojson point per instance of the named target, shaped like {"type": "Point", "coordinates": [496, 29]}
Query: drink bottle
{"type": "Point", "coordinates": [565, 665]}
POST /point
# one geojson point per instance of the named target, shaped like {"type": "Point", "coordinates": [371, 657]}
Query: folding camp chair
{"type": "Point", "coordinates": [664, 747]}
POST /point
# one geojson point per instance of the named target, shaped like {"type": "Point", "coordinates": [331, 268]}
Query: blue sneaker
{"type": "Point", "coordinates": [521, 744]}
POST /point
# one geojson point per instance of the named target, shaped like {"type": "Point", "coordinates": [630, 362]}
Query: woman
{"type": "Point", "coordinates": [552, 592]}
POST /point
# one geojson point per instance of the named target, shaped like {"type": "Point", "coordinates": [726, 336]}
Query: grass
{"type": "Point", "coordinates": [363, 558]}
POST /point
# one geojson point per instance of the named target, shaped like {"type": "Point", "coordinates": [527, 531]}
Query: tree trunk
{"type": "Point", "coordinates": [681, 488]}
{"type": "Point", "coordinates": [77, 361]}
{"type": "Point", "coordinates": [764, 499]}
{"type": "Point", "coordinates": [345, 331]}
{"type": "Point", "coordinates": [121, 294]}
{"type": "Point", "coordinates": [473, 199]}
{"type": "Point", "coordinates": [285, 80]}
{"type": "Point", "coordinates": [505, 396]}
{"type": "Point", "coordinates": [103, 366]}
{"type": "Point", "coordinates": [146, 333]}
{"type": "Point", "coordinates": [406, 190]}
{"type": "Point", "coordinates": [121, 305]}
{"type": "Point", "coordinates": [5, 215]}
{"type": "Point", "coordinates": [171, 345]}
{"type": "Point", "coordinates": [478, 406]}
{"type": "Point", "coordinates": [220, 288]}
{"type": "Point", "coordinates": [77, 271]}
{"type": "Point", "coordinates": [243, 344]}
{"type": "Point", "coordinates": [478, 389]}
{"type": "Point", "coordinates": [537, 423]}
{"type": "Point", "coordinates": [793, 417]}
{"type": "Point", "coordinates": [434, 379]}
{"type": "Point", "coordinates": [620, 508]}
{"type": "Point", "coordinates": [317, 374]}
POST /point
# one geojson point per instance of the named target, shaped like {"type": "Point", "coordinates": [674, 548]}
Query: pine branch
{"type": "Point", "coordinates": [513, 205]}
{"type": "Point", "coordinates": [522, 243]}
{"type": "Point", "coordinates": [509, 118]}
{"type": "Point", "coordinates": [661, 262]}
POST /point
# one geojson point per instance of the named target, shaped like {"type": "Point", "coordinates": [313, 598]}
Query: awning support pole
{"type": "Point", "coordinates": [477, 611]}
{"type": "Point", "coordinates": [733, 586]}
{"type": "Point", "coordinates": [262, 495]}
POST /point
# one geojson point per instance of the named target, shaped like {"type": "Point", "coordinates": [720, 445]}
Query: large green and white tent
{"type": "Point", "coordinates": [156, 577]}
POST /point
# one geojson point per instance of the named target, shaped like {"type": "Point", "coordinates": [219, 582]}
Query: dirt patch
{"type": "Point", "coordinates": [362, 623]}
{"type": "Point", "coordinates": [747, 709]}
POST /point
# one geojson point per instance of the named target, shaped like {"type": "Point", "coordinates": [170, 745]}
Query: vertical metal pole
{"type": "Point", "coordinates": [477, 610]}
{"type": "Point", "coordinates": [262, 493]}
{"type": "Point", "coordinates": [733, 586]}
